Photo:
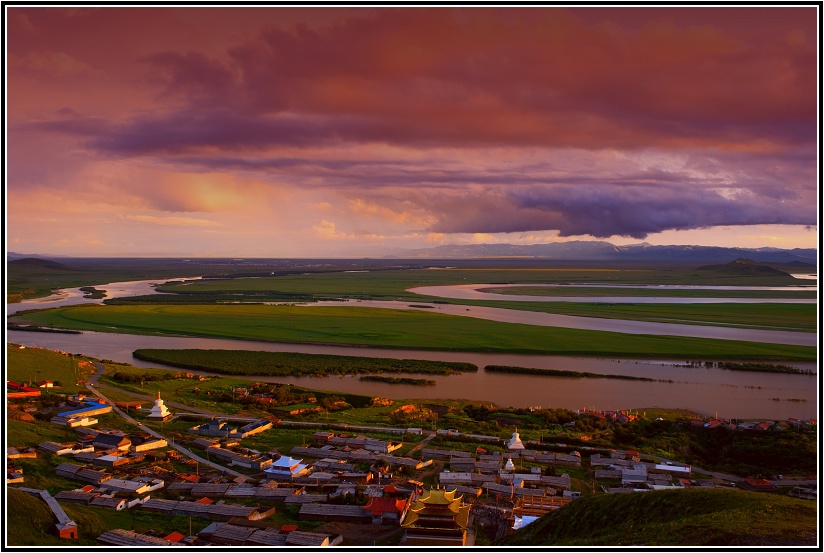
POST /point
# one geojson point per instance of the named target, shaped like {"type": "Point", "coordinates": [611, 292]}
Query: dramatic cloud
{"type": "Point", "coordinates": [414, 124]}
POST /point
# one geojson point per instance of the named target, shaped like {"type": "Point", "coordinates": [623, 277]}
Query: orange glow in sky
{"type": "Point", "coordinates": [285, 132]}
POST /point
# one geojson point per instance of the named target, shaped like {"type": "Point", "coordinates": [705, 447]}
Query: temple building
{"type": "Point", "coordinates": [437, 518]}
{"type": "Point", "coordinates": [286, 468]}
{"type": "Point", "coordinates": [159, 411]}
{"type": "Point", "coordinates": [515, 442]}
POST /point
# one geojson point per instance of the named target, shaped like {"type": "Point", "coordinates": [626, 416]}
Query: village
{"type": "Point", "coordinates": [341, 485]}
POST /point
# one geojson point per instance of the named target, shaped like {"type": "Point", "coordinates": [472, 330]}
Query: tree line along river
{"type": "Point", "coordinates": [708, 391]}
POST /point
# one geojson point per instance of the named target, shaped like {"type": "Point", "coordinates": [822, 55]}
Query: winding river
{"type": "Point", "coordinates": [707, 391]}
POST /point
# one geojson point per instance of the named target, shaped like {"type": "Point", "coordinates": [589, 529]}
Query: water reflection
{"type": "Point", "coordinates": [736, 394]}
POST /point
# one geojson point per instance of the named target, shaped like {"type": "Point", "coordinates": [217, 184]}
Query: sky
{"type": "Point", "coordinates": [358, 131]}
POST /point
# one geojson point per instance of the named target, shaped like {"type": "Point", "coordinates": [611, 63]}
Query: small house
{"type": "Point", "coordinates": [109, 502]}
{"type": "Point", "coordinates": [386, 510]}
{"type": "Point", "coordinates": [112, 441]}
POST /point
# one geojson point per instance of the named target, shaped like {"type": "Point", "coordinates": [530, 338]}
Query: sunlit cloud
{"type": "Point", "coordinates": [404, 127]}
{"type": "Point", "coordinates": [171, 221]}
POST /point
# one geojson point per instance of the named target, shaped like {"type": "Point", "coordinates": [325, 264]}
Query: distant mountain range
{"type": "Point", "coordinates": [586, 250]}
{"type": "Point", "coordinates": [605, 251]}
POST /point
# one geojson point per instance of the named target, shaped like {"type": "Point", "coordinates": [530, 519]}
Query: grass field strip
{"type": "Point", "coordinates": [592, 323]}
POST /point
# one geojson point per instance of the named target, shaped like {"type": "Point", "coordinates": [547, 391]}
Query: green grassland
{"type": "Point", "coordinates": [31, 433]}
{"type": "Point", "coordinates": [692, 517]}
{"type": "Point", "coordinates": [253, 363]}
{"type": "Point", "coordinates": [31, 522]}
{"type": "Point", "coordinates": [773, 316]}
{"type": "Point", "coordinates": [594, 291]}
{"type": "Point", "coordinates": [200, 395]}
{"type": "Point", "coordinates": [36, 364]}
{"type": "Point", "coordinates": [392, 285]}
{"type": "Point", "coordinates": [37, 277]}
{"type": "Point", "coordinates": [359, 326]}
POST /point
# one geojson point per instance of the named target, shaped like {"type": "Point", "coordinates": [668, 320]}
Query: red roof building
{"type": "Point", "coordinates": [174, 537]}
{"type": "Point", "coordinates": [387, 509]}
{"type": "Point", "coordinates": [759, 485]}
{"type": "Point", "coordinates": [21, 390]}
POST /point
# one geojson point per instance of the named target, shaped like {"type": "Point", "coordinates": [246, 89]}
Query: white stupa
{"type": "Point", "coordinates": [509, 464]}
{"type": "Point", "coordinates": [159, 411]}
{"type": "Point", "coordinates": [515, 442]}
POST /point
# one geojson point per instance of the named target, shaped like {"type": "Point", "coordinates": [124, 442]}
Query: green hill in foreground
{"type": "Point", "coordinates": [693, 517]}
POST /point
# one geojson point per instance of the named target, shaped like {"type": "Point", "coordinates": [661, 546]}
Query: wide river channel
{"type": "Point", "coordinates": [733, 394]}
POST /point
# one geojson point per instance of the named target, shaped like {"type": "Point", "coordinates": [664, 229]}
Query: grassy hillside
{"type": "Point", "coordinates": [37, 364]}
{"type": "Point", "coordinates": [694, 517]}
{"type": "Point", "coordinates": [31, 522]}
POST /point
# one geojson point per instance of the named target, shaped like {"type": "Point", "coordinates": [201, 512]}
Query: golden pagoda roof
{"type": "Point", "coordinates": [460, 517]}
{"type": "Point", "coordinates": [440, 497]}
{"type": "Point", "coordinates": [433, 502]}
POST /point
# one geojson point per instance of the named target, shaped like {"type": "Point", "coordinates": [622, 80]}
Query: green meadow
{"type": "Point", "coordinates": [413, 329]}
{"type": "Point", "coordinates": [392, 284]}
{"type": "Point", "coordinates": [36, 364]}
{"type": "Point", "coordinates": [596, 291]}
{"type": "Point", "coordinates": [31, 523]}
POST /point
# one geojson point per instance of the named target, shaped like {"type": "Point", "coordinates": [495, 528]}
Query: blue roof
{"type": "Point", "coordinates": [89, 407]}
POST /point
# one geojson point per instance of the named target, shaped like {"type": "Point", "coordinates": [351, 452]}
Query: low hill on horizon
{"type": "Point", "coordinates": [744, 267]}
{"type": "Point", "coordinates": [38, 263]}
{"type": "Point", "coordinates": [690, 517]}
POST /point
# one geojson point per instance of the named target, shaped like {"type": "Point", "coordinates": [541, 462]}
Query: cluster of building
{"type": "Point", "coordinates": [81, 414]}
{"type": "Point", "coordinates": [621, 416]}
{"type": "Point", "coordinates": [106, 448]}
{"type": "Point", "coordinates": [499, 473]}
{"type": "Point", "coordinates": [221, 429]}
{"type": "Point", "coordinates": [776, 426]}
{"type": "Point", "coordinates": [637, 475]}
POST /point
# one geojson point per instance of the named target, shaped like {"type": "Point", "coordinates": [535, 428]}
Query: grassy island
{"type": "Point", "coordinates": [396, 380]}
{"type": "Point", "coordinates": [92, 293]}
{"type": "Point", "coordinates": [264, 363]}
{"type": "Point", "coordinates": [557, 373]}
